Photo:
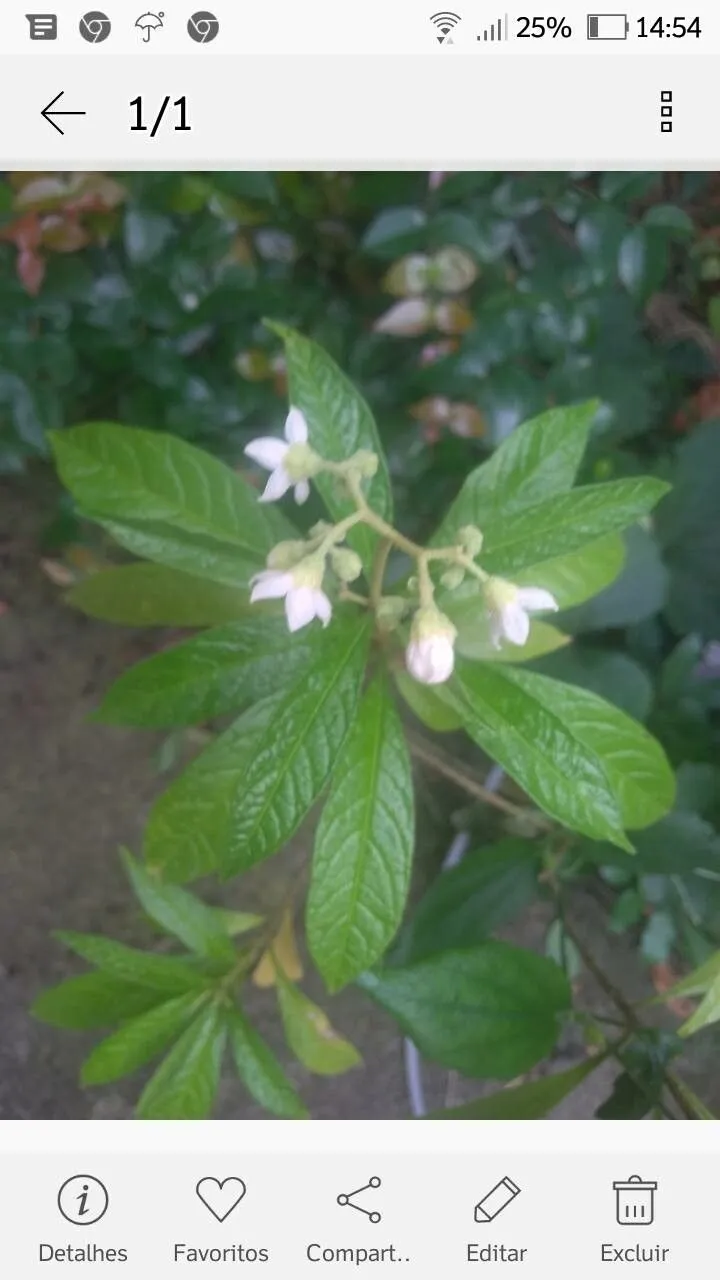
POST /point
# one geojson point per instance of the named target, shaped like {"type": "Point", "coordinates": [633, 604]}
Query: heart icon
{"type": "Point", "coordinates": [221, 1197]}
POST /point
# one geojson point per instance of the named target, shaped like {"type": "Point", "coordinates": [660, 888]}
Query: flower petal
{"type": "Point", "coordinates": [296, 427]}
{"type": "Point", "coordinates": [430, 660]}
{"type": "Point", "coordinates": [416, 661]}
{"type": "Point", "coordinates": [323, 607]}
{"type": "Point", "coordinates": [270, 585]}
{"type": "Point", "coordinates": [300, 607]}
{"type": "Point", "coordinates": [302, 491]}
{"type": "Point", "coordinates": [267, 451]}
{"type": "Point", "coordinates": [515, 622]}
{"type": "Point", "coordinates": [277, 485]}
{"type": "Point", "coordinates": [536, 598]}
{"type": "Point", "coordinates": [496, 631]}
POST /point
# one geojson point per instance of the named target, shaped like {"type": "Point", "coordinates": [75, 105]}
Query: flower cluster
{"type": "Point", "coordinates": [296, 571]}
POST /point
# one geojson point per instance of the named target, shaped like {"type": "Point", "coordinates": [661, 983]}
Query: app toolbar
{"type": "Point", "coordinates": [295, 1212]}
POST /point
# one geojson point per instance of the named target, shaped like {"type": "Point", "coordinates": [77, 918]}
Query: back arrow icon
{"type": "Point", "coordinates": [47, 112]}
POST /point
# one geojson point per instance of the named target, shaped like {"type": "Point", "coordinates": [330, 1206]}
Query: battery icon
{"type": "Point", "coordinates": [607, 26]}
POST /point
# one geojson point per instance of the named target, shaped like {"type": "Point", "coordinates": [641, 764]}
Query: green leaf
{"type": "Point", "coordinates": [340, 423]}
{"type": "Point", "coordinates": [364, 845]}
{"type": "Point", "coordinates": [579, 575]}
{"type": "Point", "coordinates": [697, 983]}
{"type": "Point", "coordinates": [658, 938]}
{"type": "Point", "coordinates": [143, 968]}
{"type": "Point", "coordinates": [468, 902]}
{"type": "Point", "coordinates": [633, 760]}
{"type": "Point", "coordinates": [606, 672]}
{"type": "Point", "coordinates": [249, 791]}
{"type": "Point", "coordinates": [490, 1011]}
{"type": "Point", "coordinates": [236, 922]}
{"type": "Point", "coordinates": [536, 461]}
{"type": "Point", "coordinates": [626, 597]}
{"type": "Point", "coordinates": [561, 948]}
{"type": "Point", "coordinates": [532, 1101]}
{"type": "Point", "coordinates": [639, 1090]}
{"type": "Point", "coordinates": [152, 595]}
{"type": "Point", "coordinates": [565, 523]}
{"type": "Point", "coordinates": [671, 218]}
{"type": "Point", "coordinates": [427, 704]}
{"type": "Point", "coordinates": [131, 476]}
{"type": "Point", "coordinates": [186, 1082]}
{"type": "Point", "coordinates": [260, 1071]}
{"type": "Point", "coordinates": [310, 1036]}
{"type": "Point", "coordinates": [90, 1001]}
{"type": "Point", "coordinates": [209, 675]}
{"type": "Point", "coordinates": [199, 927]}
{"type": "Point", "coordinates": [678, 844]}
{"type": "Point", "coordinates": [189, 553]}
{"type": "Point", "coordinates": [707, 1012]}
{"type": "Point", "coordinates": [395, 231]}
{"type": "Point", "coordinates": [146, 234]}
{"type": "Point", "coordinates": [689, 530]}
{"type": "Point", "coordinates": [140, 1040]}
{"type": "Point", "coordinates": [583, 761]}
{"type": "Point", "coordinates": [642, 261]}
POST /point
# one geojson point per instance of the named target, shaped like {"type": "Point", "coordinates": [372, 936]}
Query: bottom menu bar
{"type": "Point", "coordinates": [553, 1200]}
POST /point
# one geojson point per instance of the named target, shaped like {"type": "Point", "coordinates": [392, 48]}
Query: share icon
{"type": "Point", "coordinates": [348, 1200]}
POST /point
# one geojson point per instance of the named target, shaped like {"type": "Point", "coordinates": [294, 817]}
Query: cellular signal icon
{"type": "Point", "coordinates": [445, 23]}
{"type": "Point", "coordinates": [496, 31]}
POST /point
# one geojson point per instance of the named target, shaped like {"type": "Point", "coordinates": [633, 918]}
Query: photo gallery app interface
{"type": "Point", "coordinates": [359, 639]}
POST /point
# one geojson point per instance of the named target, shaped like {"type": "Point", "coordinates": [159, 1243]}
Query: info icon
{"type": "Point", "coordinates": [83, 1200]}
{"type": "Point", "coordinates": [95, 27]}
{"type": "Point", "coordinates": [203, 27]}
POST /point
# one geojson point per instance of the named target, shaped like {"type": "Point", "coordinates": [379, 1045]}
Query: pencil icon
{"type": "Point", "coordinates": [496, 1200]}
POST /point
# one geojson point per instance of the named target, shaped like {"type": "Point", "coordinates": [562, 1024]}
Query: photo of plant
{"type": "Point", "coordinates": [360, 645]}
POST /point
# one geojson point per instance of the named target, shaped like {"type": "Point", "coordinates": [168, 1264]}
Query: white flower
{"type": "Point", "coordinates": [286, 471]}
{"type": "Point", "coordinates": [430, 655]}
{"type": "Point", "coordinates": [301, 590]}
{"type": "Point", "coordinates": [509, 609]}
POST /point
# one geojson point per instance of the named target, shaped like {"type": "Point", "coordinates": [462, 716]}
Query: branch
{"type": "Point", "coordinates": [450, 768]}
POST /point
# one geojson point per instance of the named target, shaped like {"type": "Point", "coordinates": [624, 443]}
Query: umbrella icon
{"type": "Point", "coordinates": [149, 22]}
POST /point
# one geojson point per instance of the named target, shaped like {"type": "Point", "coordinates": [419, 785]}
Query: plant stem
{"type": "Point", "coordinates": [675, 1087]}
{"type": "Point", "coordinates": [392, 537]}
{"type": "Point", "coordinates": [455, 772]}
{"type": "Point", "coordinates": [378, 571]}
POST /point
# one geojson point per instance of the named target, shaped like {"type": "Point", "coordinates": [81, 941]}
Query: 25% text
{"type": "Point", "coordinates": [536, 28]}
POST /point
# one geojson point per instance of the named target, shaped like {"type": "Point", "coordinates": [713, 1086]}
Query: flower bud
{"type": "Point", "coordinates": [471, 540]}
{"type": "Point", "coordinates": [346, 563]}
{"type": "Point", "coordinates": [365, 463]}
{"type": "Point", "coordinates": [320, 529]}
{"type": "Point", "coordinates": [286, 554]}
{"type": "Point", "coordinates": [453, 578]}
{"type": "Point", "coordinates": [430, 655]}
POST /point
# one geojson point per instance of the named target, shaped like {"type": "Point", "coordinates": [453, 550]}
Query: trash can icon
{"type": "Point", "coordinates": [634, 1202]}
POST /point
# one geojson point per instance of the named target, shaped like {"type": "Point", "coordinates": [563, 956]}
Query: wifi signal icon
{"type": "Point", "coordinates": [445, 23]}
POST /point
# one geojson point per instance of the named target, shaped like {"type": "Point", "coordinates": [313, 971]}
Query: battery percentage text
{"type": "Point", "coordinates": [536, 28]}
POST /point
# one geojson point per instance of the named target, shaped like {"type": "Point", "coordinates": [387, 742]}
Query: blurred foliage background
{"type": "Point", "coordinates": [461, 304]}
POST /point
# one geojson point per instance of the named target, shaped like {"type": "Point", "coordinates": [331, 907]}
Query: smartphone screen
{"type": "Point", "coordinates": [359, 639]}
